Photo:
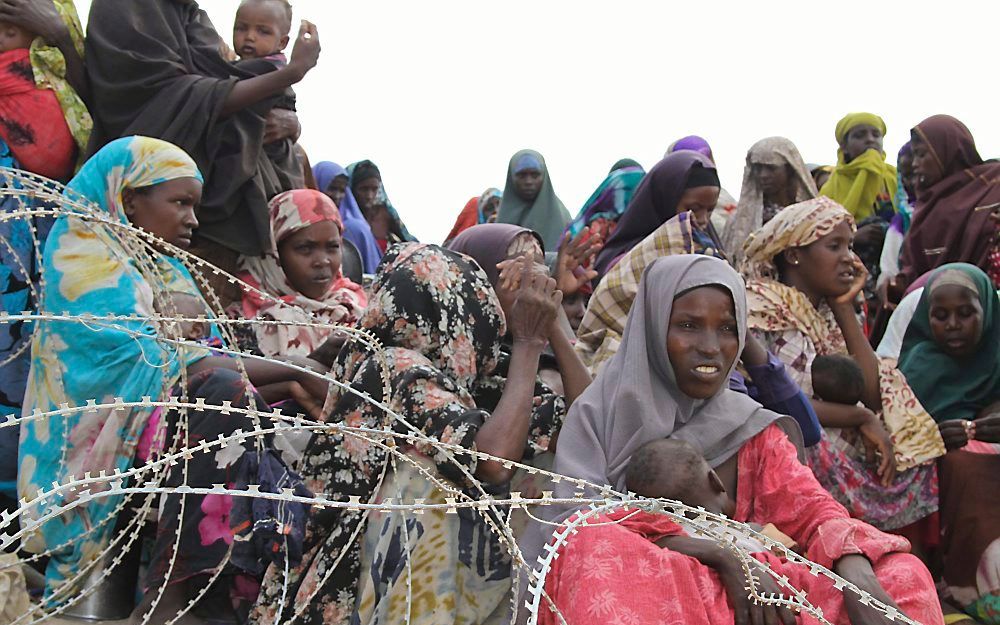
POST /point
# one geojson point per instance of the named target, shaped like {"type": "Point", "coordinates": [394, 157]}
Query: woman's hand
{"type": "Point", "coordinates": [986, 429]}
{"type": "Point", "coordinates": [858, 570]}
{"type": "Point", "coordinates": [574, 254]}
{"type": "Point", "coordinates": [535, 306]}
{"type": "Point", "coordinates": [734, 580]}
{"type": "Point", "coordinates": [956, 433]}
{"type": "Point", "coordinates": [877, 441]}
{"type": "Point", "coordinates": [860, 275]}
{"type": "Point", "coordinates": [281, 124]}
{"type": "Point", "coordinates": [37, 16]}
{"type": "Point", "coordinates": [305, 53]}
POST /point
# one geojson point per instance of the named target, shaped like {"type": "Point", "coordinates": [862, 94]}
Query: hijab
{"type": "Point", "coordinates": [655, 201]}
{"type": "Point", "coordinates": [693, 143]}
{"type": "Point", "coordinates": [609, 201]}
{"type": "Point", "coordinates": [343, 303]}
{"type": "Point", "coordinates": [622, 163]}
{"type": "Point", "coordinates": [952, 219]}
{"type": "Point", "coordinates": [947, 387]}
{"type": "Point", "coordinates": [749, 216]}
{"type": "Point", "coordinates": [91, 268]}
{"type": "Point", "coordinates": [546, 214]}
{"type": "Point", "coordinates": [857, 185]}
{"type": "Point", "coordinates": [356, 228]}
{"type": "Point", "coordinates": [488, 244]}
{"type": "Point", "coordinates": [472, 214]}
{"type": "Point", "coordinates": [155, 69]}
{"type": "Point", "coordinates": [365, 170]}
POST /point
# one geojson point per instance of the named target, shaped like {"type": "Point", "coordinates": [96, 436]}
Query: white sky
{"type": "Point", "coordinates": [440, 94]}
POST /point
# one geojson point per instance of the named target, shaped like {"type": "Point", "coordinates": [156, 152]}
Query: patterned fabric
{"type": "Point", "coordinates": [615, 572]}
{"type": "Point", "coordinates": [441, 322]}
{"type": "Point", "coordinates": [49, 66]}
{"type": "Point", "coordinates": [752, 211]}
{"type": "Point", "coordinates": [796, 331]}
{"type": "Point", "coordinates": [20, 281]}
{"type": "Point", "coordinates": [867, 185]}
{"type": "Point", "coordinates": [600, 333]}
{"type": "Point", "coordinates": [292, 212]}
{"type": "Point", "coordinates": [608, 203]}
{"type": "Point", "coordinates": [90, 268]}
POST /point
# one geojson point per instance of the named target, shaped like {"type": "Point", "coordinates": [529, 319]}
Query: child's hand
{"type": "Point", "coordinates": [305, 54]}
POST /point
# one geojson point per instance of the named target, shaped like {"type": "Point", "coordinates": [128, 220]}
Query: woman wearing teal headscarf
{"type": "Point", "coordinates": [530, 201]}
{"type": "Point", "coordinates": [951, 359]}
{"type": "Point", "coordinates": [607, 204]}
{"type": "Point", "coordinates": [97, 263]}
{"type": "Point", "coordinates": [862, 182]}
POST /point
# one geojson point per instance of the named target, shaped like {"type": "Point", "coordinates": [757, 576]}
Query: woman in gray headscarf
{"type": "Point", "coordinates": [669, 380]}
{"type": "Point", "coordinates": [775, 176]}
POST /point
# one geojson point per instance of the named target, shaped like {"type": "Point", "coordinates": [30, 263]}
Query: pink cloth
{"type": "Point", "coordinates": [614, 573]}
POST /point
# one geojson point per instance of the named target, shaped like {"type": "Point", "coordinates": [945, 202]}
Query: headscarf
{"type": "Point", "coordinates": [623, 163]}
{"type": "Point", "coordinates": [292, 212]}
{"type": "Point", "coordinates": [600, 332]}
{"type": "Point", "coordinates": [356, 228]}
{"type": "Point", "coordinates": [952, 221]}
{"type": "Point", "coordinates": [487, 244]}
{"type": "Point", "coordinates": [472, 214]}
{"type": "Point", "coordinates": [655, 201]}
{"type": "Point", "coordinates": [749, 216]}
{"type": "Point", "coordinates": [546, 214]}
{"type": "Point", "coordinates": [856, 185]}
{"type": "Point", "coordinates": [693, 143]}
{"type": "Point", "coordinates": [93, 269]}
{"type": "Point", "coordinates": [776, 307]}
{"type": "Point", "coordinates": [950, 388]}
{"type": "Point", "coordinates": [155, 69]}
{"type": "Point", "coordinates": [609, 201]}
{"type": "Point", "coordinates": [364, 170]}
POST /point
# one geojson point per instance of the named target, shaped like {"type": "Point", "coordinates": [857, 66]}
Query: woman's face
{"type": "Point", "coordinates": [956, 319]}
{"type": "Point", "coordinates": [490, 209]}
{"type": "Point", "coordinates": [367, 192]}
{"type": "Point", "coordinates": [166, 209]}
{"type": "Point", "coordinates": [821, 176]}
{"type": "Point", "coordinates": [575, 307]}
{"type": "Point", "coordinates": [926, 170]}
{"type": "Point", "coordinates": [528, 184]}
{"type": "Point", "coordinates": [859, 140]}
{"type": "Point", "coordinates": [825, 267]}
{"type": "Point", "coordinates": [701, 201]}
{"type": "Point", "coordinates": [702, 340]}
{"type": "Point", "coordinates": [906, 174]}
{"type": "Point", "coordinates": [337, 190]}
{"type": "Point", "coordinates": [773, 179]}
{"type": "Point", "coordinates": [311, 258]}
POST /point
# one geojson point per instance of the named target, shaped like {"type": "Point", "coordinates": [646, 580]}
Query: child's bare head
{"type": "Point", "coordinates": [262, 28]}
{"type": "Point", "coordinates": [189, 306]}
{"type": "Point", "coordinates": [668, 468]}
{"type": "Point", "coordinates": [837, 378]}
{"type": "Point", "coordinates": [14, 37]}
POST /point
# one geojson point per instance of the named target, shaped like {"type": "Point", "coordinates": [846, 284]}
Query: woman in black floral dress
{"type": "Point", "coordinates": [441, 324]}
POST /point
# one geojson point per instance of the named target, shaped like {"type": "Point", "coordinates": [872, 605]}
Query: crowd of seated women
{"type": "Point", "coordinates": [818, 358]}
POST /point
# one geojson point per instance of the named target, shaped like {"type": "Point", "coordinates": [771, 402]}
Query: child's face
{"type": "Point", "coordinates": [259, 30]}
{"type": "Point", "coordinates": [14, 37]}
{"type": "Point", "coordinates": [712, 496]}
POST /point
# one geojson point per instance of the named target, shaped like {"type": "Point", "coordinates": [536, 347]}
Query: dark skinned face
{"type": "Point", "coordinates": [859, 140]}
{"type": "Point", "coordinates": [956, 319]}
{"type": "Point", "coordinates": [166, 210]}
{"type": "Point", "coordinates": [366, 192]}
{"type": "Point", "coordinates": [823, 269]}
{"type": "Point", "coordinates": [528, 184]}
{"type": "Point", "coordinates": [926, 170]}
{"type": "Point", "coordinates": [337, 190]}
{"type": "Point", "coordinates": [311, 258]}
{"type": "Point", "coordinates": [701, 202]}
{"type": "Point", "coordinates": [702, 340]}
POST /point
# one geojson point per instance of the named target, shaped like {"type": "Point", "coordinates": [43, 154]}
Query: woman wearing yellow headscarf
{"type": "Point", "coordinates": [862, 182]}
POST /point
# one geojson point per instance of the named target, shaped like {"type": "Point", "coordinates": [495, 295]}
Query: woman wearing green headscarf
{"type": "Point", "coordinates": [530, 201]}
{"type": "Point", "coordinates": [951, 359]}
{"type": "Point", "coordinates": [862, 182]}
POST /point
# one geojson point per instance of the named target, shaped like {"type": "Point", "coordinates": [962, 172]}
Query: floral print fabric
{"type": "Point", "coordinates": [441, 323]}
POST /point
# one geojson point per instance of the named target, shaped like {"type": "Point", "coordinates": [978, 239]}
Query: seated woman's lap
{"type": "Point", "coordinates": [205, 533]}
{"type": "Point", "coordinates": [609, 571]}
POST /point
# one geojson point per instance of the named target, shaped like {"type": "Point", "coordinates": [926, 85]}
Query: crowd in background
{"type": "Point", "coordinates": [817, 356]}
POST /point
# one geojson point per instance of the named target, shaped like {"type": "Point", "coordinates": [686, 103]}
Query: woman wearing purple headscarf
{"type": "Point", "coordinates": [681, 182]}
{"type": "Point", "coordinates": [332, 180]}
{"type": "Point", "coordinates": [726, 205]}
